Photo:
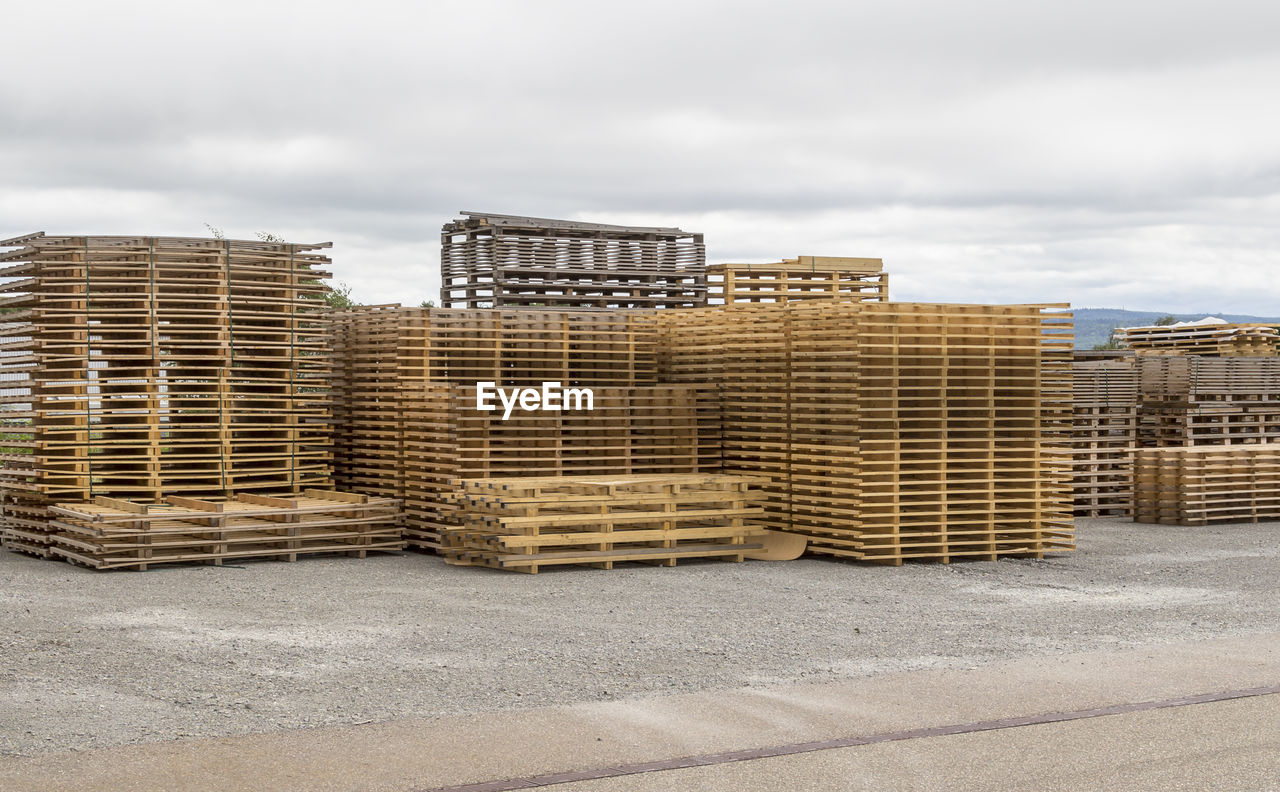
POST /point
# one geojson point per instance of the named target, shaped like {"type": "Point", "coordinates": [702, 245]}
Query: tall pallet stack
{"type": "Point", "coordinates": [410, 376]}
{"type": "Point", "coordinates": [1103, 433]}
{"type": "Point", "coordinates": [506, 261]}
{"type": "Point", "coordinates": [1206, 485]}
{"type": "Point", "coordinates": [146, 367]}
{"type": "Point", "coordinates": [1195, 400]}
{"type": "Point", "coordinates": [909, 431]}
{"type": "Point", "coordinates": [1221, 339]}
{"type": "Point", "coordinates": [801, 278]}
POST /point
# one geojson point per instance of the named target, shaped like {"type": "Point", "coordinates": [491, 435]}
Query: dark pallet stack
{"type": "Point", "coordinates": [1103, 433]}
{"type": "Point", "coordinates": [506, 261]}
{"type": "Point", "coordinates": [1196, 400]}
{"type": "Point", "coordinates": [144, 367]}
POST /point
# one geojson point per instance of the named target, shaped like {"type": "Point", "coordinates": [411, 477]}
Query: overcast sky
{"type": "Point", "coordinates": [1109, 154]}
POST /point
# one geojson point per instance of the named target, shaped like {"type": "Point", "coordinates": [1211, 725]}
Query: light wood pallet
{"type": "Point", "coordinates": [1219, 340]}
{"type": "Point", "coordinates": [111, 533]}
{"type": "Point", "coordinates": [506, 261]}
{"type": "Point", "coordinates": [148, 366]}
{"type": "Point", "coordinates": [1103, 431]}
{"type": "Point", "coordinates": [1207, 485]}
{"type": "Point", "coordinates": [909, 431]}
{"type": "Point", "coordinates": [526, 524]}
{"type": "Point", "coordinates": [801, 278]}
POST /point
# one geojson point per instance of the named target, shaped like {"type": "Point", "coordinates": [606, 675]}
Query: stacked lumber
{"type": "Point", "coordinates": [801, 278]}
{"type": "Point", "coordinates": [506, 261]}
{"type": "Point", "coordinates": [143, 367]}
{"type": "Point", "coordinates": [900, 431]}
{"type": "Point", "coordinates": [1103, 431]}
{"type": "Point", "coordinates": [1207, 485]}
{"type": "Point", "coordinates": [1217, 340]}
{"type": "Point", "coordinates": [528, 523]}
{"type": "Point", "coordinates": [1195, 400]}
{"type": "Point", "coordinates": [112, 533]}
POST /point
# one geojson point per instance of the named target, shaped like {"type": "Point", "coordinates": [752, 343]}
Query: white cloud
{"type": "Point", "coordinates": [1103, 153]}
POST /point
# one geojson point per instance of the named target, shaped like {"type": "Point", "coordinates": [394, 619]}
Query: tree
{"type": "Point", "coordinates": [1165, 321]}
{"type": "Point", "coordinates": [1112, 342]}
{"type": "Point", "coordinates": [217, 232]}
{"type": "Point", "coordinates": [428, 304]}
{"type": "Point", "coordinates": [266, 237]}
{"type": "Point", "coordinates": [339, 296]}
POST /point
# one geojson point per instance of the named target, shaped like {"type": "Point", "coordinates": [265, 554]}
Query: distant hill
{"type": "Point", "coordinates": [1093, 325]}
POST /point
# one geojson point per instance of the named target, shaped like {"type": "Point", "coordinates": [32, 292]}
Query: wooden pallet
{"type": "Point", "coordinates": [1207, 485]}
{"type": "Point", "coordinates": [899, 430]}
{"type": "Point", "coordinates": [141, 367]}
{"type": "Point", "coordinates": [525, 524]}
{"type": "Point", "coordinates": [111, 533]}
{"type": "Point", "coordinates": [1103, 432]}
{"type": "Point", "coordinates": [801, 278]}
{"type": "Point", "coordinates": [1217, 340]}
{"type": "Point", "coordinates": [506, 261]}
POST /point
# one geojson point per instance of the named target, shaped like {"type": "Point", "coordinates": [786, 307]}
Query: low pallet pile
{"type": "Point", "coordinates": [143, 367]}
{"type": "Point", "coordinates": [109, 533]}
{"type": "Point", "coordinates": [505, 261]}
{"type": "Point", "coordinates": [525, 524]}
{"type": "Point", "coordinates": [1103, 432]}
{"type": "Point", "coordinates": [801, 278]}
{"type": "Point", "coordinates": [1196, 400]}
{"type": "Point", "coordinates": [1206, 485]}
{"type": "Point", "coordinates": [1222, 339]}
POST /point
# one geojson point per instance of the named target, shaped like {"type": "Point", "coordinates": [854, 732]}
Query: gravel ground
{"type": "Point", "coordinates": [93, 659]}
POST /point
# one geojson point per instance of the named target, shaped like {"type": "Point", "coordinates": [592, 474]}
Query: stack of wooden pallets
{"type": "Point", "coordinates": [899, 430]}
{"type": "Point", "coordinates": [529, 523]}
{"type": "Point", "coordinates": [110, 533]}
{"type": "Point", "coordinates": [1205, 485]}
{"type": "Point", "coordinates": [1199, 400]}
{"type": "Point", "coordinates": [409, 378]}
{"type": "Point", "coordinates": [801, 278]}
{"type": "Point", "coordinates": [143, 367]}
{"type": "Point", "coordinates": [1217, 340]}
{"type": "Point", "coordinates": [1103, 433]}
{"type": "Point", "coordinates": [506, 261]}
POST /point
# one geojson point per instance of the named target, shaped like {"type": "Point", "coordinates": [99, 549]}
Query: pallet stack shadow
{"type": "Point", "coordinates": [1195, 400]}
{"type": "Point", "coordinates": [1206, 485]}
{"type": "Point", "coordinates": [801, 278]}
{"type": "Point", "coordinates": [406, 380]}
{"type": "Point", "coordinates": [893, 431]}
{"type": "Point", "coordinates": [140, 368]}
{"type": "Point", "coordinates": [1103, 433]}
{"type": "Point", "coordinates": [505, 261]}
{"type": "Point", "coordinates": [527, 523]}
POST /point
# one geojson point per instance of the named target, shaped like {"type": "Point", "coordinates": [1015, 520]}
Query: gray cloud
{"type": "Point", "coordinates": [1100, 153]}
